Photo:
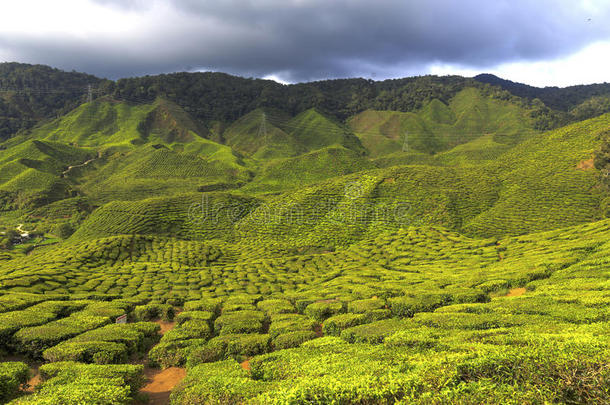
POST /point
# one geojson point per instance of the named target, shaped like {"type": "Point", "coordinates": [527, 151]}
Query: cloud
{"type": "Point", "coordinates": [296, 40]}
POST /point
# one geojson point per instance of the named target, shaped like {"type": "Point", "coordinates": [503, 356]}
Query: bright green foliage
{"type": "Point", "coordinates": [275, 306]}
{"type": "Point", "coordinates": [244, 321]}
{"type": "Point", "coordinates": [34, 340]}
{"type": "Point", "coordinates": [221, 382]}
{"type": "Point", "coordinates": [74, 383]}
{"type": "Point", "coordinates": [293, 339]}
{"type": "Point", "coordinates": [87, 352]}
{"type": "Point", "coordinates": [186, 316]}
{"type": "Point", "coordinates": [287, 323]}
{"type": "Point", "coordinates": [438, 126]}
{"type": "Point", "coordinates": [374, 332]}
{"type": "Point", "coordinates": [323, 309]}
{"type": "Point", "coordinates": [12, 376]}
{"type": "Point", "coordinates": [137, 337]}
{"type": "Point", "coordinates": [154, 311]}
{"type": "Point", "coordinates": [467, 264]}
{"type": "Point", "coordinates": [240, 345]}
{"type": "Point", "coordinates": [335, 324]}
{"type": "Point", "coordinates": [209, 305]}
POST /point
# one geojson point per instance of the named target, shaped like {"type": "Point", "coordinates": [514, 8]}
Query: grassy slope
{"type": "Point", "coordinates": [312, 167]}
{"type": "Point", "coordinates": [339, 240]}
{"type": "Point", "coordinates": [244, 135]}
{"type": "Point", "coordinates": [439, 127]}
{"type": "Point", "coordinates": [527, 189]}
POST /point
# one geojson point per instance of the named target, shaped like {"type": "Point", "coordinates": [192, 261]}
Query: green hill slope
{"type": "Point", "coordinates": [439, 127]}
{"type": "Point", "coordinates": [312, 167]}
{"type": "Point", "coordinates": [259, 134]}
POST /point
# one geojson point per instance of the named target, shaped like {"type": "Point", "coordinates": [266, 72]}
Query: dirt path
{"type": "Point", "coordinates": [245, 365]}
{"type": "Point", "coordinates": [586, 164]}
{"type": "Point", "coordinates": [65, 172]}
{"type": "Point", "coordinates": [165, 326]}
{"type": "Point", "coordinates": [21, 231]}
{"type": "Point", "coordinates": [34, 380]}
{"type": "Point", "coordinates": [516, 292]}
{"type": "Point", "coordinates": [160, 383]}
{"type": "Point", "coordinates": [318, 330]}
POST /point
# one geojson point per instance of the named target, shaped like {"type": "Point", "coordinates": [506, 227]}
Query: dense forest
{"type": "Point", "coordinates": [32, 93]}
{"type": "Point", "coordinates": [582, 102]}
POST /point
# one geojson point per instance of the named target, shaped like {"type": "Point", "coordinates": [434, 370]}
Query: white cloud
{"type": "Point", "coordinates": [295, 40]}
{"type": "Point", "coordinates": [590, 65]}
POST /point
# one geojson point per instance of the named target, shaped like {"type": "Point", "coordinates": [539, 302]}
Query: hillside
{"type": "Point", "coordinates": [31, 93]}
{"type": "Point", "coordinates": [439, 127]}
{"type": "Point", "coordinates": [417, 241]}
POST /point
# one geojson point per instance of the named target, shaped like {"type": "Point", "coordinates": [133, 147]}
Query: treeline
{"type": "Point", "coordinates": [575, 102]}
{"type": "Point", "coordinates": [30, 93]}
{"type": "Point", "coordinates": [222, 97]}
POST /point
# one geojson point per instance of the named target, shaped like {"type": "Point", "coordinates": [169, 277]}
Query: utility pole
{"type": "Point", "coordinates": [405, 144]}
{"type": "Point", "coordinates": [262, 130]}
{"type": "Point", "coordinates": [89, 93]}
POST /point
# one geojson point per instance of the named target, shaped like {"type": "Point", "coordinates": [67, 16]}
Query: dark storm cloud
{"type": "Point", "coordinates": [311, 39]}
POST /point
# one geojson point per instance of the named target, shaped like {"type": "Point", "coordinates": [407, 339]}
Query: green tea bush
{"type": "Point", "coordinates": [242, 345]}
{"type": "Point", "coordinates": [131, 374]}
{"type": "Point", "coordinates": [34, 340]}
{"type": "Point", "coordinates": [240, 322]}
{"type": "Point", "coordinates": [222, 382]}
{"type": "Point", "coordinates": [16, 302]}
{"type": "Point", "coordinates": [564, 374]}
{"type": "Point", "coordinates": [75, 383]}
{"type": "Point", "coordinates": [335, 324]}
{"type": "Point", "coordinates": [275, 306]}
{"type": "Point", "coordinates": [102, 391]}
{"type": "Point", "coordinates": [377, 315]}
{"type": "Point", "coordinates": [87, 352]}
{"type": "Point", "coordinates": [208, 353]}
{"type": "Point", "coordinates": [234, 307]}
{"type": "Point", "coordinates": [192, 329]}
{"type": "Point", "coordinates": [12, 376]}
{"type": "Point", "coordinates": [407, 306]}
{"type": "Point", "coordinates": [323, 309]}
{"type": "Point", "coordinates": [112, 309]}
{"type": "Point", "coordinates": [11, 322]}
{"type": "Point", "coordinates": [208, 305]}
{"type": "Point", "coordinates": [362, 306]}
{"type": "Point", "coordinates": [153, 311]}
{"type": "Point", "coordinates": [292, 339]}
{"type": "Point", "coordinates": [285, 323]}
{"type": "Point", "coordinates": [173, 353]}
{"type": "Point", "coordinates": [469, 320]}
{"type": "Point", "coordinates": [413, 338]}
{"type": "Point", "coordinates": [137, 337]}
{"type": "Point", "coordinates": [195, 315]}
{"type": "Point", "coordinates": [374, 332]}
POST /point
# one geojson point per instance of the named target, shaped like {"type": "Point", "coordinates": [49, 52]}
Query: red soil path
{"type": "Point", "coordinates": [516, 292]}
{"type": "Point", "coordinates": [160, 383]}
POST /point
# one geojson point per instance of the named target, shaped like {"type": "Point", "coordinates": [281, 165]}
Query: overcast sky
{"type": "Point", "coordinates": [539, 42]}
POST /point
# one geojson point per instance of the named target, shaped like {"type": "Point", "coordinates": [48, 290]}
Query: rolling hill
{"type": "Point", "coordinates": [417, 241]}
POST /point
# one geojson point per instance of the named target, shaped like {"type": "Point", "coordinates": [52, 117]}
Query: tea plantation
{"type": "Point", "coordinates": [299, 259]}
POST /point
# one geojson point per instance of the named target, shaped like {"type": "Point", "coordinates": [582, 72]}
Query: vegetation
{"type": "Point", "coordinates": [287, 245]}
